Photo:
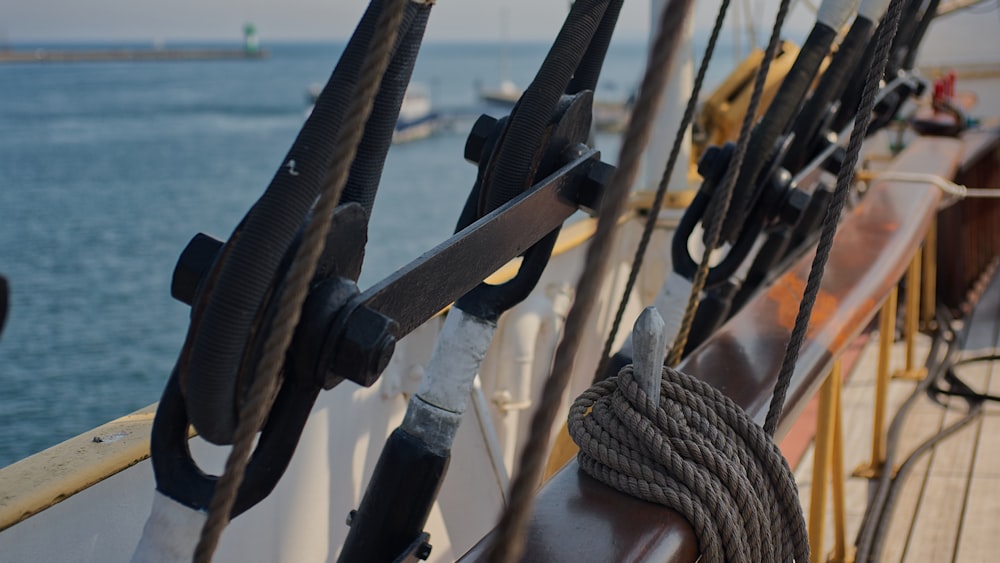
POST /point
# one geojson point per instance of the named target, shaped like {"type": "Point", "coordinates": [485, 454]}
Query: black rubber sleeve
{"type": "Point", "coordinates": [776, 120]}
{"type": "Point", "coordinates": [830, 87]}
{"type": "Point", "coordinates": [851, 96]}
{"type": "Point", "coordinates": [366, 171]}
{"type": "Point", "coordinates": [913, 45]}
{"type": "Point", "coordinates": [589, 70]}
{"type": "Point", "coordinates": [908, 23]}
{"type": "Point", "coordinates": [515, 160]}
{"type": "Point", "coordinates": [223, 324]}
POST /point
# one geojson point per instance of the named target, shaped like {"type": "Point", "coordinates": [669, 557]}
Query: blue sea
{"type": "Point", "coordinates": [108, 169]}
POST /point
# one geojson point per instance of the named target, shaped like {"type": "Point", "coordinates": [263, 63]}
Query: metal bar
{"type": "Point", "coordinates": [821, 471]}
{"type": "Point", "coordinates": [887, 333]}
{"type": "Point", "coordinates": [912, 320]}
{"type": "Point", "coordinates": [930, 273]}
{"type": "Point", "coordinates": [418, 291]}
{"type": "Point", "coordinates": [650, 344]}
{"type": "Point", "coordinates": [839, 554]}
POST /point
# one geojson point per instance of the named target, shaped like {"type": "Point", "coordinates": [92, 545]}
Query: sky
{"type": "Point", "coordinates": [451, 20]}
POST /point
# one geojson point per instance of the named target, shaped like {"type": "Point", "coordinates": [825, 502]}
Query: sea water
{"type": "Point", "coordinates": [108, 169]}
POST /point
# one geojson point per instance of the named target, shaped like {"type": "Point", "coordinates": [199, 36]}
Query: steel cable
{"type": "Point", "coordinates": [661, 191]}
{"type": "Point", "coordinates": [719, 208]}
{"type": "Point", "coordinates": [845, 178]}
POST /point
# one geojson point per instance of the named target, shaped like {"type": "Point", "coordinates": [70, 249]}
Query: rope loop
{"type": "Point", "coordinates": [698, 453]}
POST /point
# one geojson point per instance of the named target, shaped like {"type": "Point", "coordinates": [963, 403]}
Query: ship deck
{"type": "Point", "coordinates": [948, 504]}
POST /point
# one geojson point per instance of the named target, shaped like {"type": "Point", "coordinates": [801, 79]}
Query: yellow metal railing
{"type": "Point", "coordinates": [828, 462]}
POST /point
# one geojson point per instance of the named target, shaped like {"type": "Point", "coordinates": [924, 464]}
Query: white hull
{"type": "Point", "coordinates": [303, 520]}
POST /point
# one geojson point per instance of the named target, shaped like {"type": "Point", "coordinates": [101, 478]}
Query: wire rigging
{"type": "Point", "coordinates": [721, 200]}
{"type": "Point", "coordinates": [661, 191]}
{"type": "Point", "coordinates": [845, 178]}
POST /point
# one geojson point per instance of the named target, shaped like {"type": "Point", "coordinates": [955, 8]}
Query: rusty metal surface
{"type": "Point", "coordinates": [578, 519]}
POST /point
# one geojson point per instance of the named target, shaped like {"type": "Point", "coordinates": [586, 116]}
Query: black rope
{"type": "Point", "coordinates": [661, 190]}
{"type": "Point", "coordinates": [721, 200]}
{"type": "Point", "coordinates": [930, 12]}
{"type": "Point", "coordinates": [844, 179]}
{"type": "Point", "coordinates": [511, 168]}
{"type": "Point", "coordinates": [589, 69]}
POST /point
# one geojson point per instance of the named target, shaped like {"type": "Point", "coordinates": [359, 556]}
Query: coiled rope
{"type": "Point", "coordinates": [264, 388]}
{"type": "Point", "coordinates": [698, 453]}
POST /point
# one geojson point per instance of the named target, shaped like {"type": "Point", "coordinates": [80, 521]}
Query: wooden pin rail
{"type": "Point", "coordinates": [576, 518]}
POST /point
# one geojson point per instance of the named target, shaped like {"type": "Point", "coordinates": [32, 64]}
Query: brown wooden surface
{"type": "Point", "coordinates": [967, 235]}
{"type": "Point", "coordinates": [578, 519]}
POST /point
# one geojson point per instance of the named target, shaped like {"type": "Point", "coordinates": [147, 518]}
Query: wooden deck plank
{"type": "Point", "coordinates": [977, 539]}
{"type": "Point", "coordinates": [958, 510]}
{"type": "Point", "coordinates": [857, 409]}
{"type": "Point", "coordinates": [982, 333]}
{"type": "Point", "coordinates": [954, 456]}
{"type": "Point", "coordinates": [935, 529]}
{"type": "Point", "coordinates": [898, 532]}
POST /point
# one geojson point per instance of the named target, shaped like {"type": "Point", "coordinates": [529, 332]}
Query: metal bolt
{"type": "Point", "coordinates": [194, 262]}
{"type": "Point", "coordinates": [835, 161]}
{"type": "Point", "coordinates": [364, 347]}
{"type": "Point", "coordinates": [795, 205]}
{"type": "Point", "coordinates": [476, 141]}
{"type": "Point", "coordinates": [424, 551]}
{"type": "Point", "coordinates": [714, 162]}
{"type": "Point", "coordinates": [592, 190]}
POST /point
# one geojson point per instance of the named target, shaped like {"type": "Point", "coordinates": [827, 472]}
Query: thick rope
{"type": "Point", "coordinates": [508, 542]}
{"type": "Point", "coordinates": [254, 411]}
{"type": "Point", "coordinates": [698, 453]}
{"type": "Point", "coordinates": [719, 208]}
{"type": "Point", "coordinates": [661, 190]}
{"type": "Point", "coordinates": [845, 178]}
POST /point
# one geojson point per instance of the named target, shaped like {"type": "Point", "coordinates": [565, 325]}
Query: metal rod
{"type": "Point", "coordinates": [821, 470]}
{"type": "Point", "coordinates": [930, 273]}
{"type": "Point", "coordinates": [837, 468]}
{"type": "Point", "coordinates": [887, 334]}
{"type": "Point", "coordinates": [912, 320]}
{"type": "Point", "coordinates": [650, 345]}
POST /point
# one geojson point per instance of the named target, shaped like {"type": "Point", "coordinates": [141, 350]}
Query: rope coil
{"type": "Point", "coordinates": [698, 453]}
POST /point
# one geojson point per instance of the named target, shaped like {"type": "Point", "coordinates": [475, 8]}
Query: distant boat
{"type": "Point", "coordinates": [417, 119]}
{"type": "Point", "coordinates": [611, 116]}
{"type": "Point", "coordinates": [506, 94]}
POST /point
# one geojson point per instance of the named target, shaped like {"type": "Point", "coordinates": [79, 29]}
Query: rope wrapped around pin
{"type": "Point", "coordinates": [695, 451]}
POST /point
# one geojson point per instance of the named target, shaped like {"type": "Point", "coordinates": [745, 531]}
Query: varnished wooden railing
{"type": "Point", "coordinates": [579, 519]}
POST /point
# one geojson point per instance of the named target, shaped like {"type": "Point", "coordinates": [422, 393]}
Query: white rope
{"type": "Point", "coordinates": [956, 191]}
